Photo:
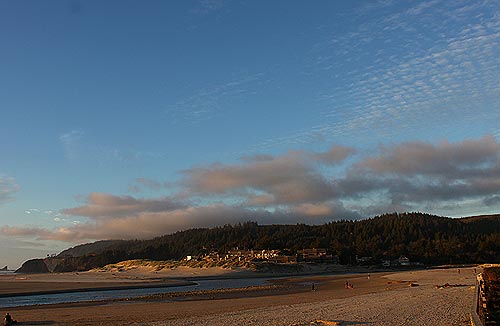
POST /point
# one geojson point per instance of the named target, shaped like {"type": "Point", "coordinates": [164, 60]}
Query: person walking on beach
{"type": "Point", "coordinates": [8, 320]}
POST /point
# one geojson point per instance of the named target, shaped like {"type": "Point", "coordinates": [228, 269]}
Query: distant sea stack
{"type": "Point", "coordinates": [4, 269]}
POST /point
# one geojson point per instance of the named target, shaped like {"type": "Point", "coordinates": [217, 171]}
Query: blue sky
{"type": "Point", "coordinates": [125, 119]}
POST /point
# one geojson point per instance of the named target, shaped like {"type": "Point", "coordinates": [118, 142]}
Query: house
{"type": "Point", "coordinates": [404, 261]}
{"type": "Point", "coordinates": [252, 254]}
{"type": "Point", "coordinates": [314, 255]}
{"type": "Point", "coordinates": [363, 260]}
{"type": "Point", "coordinates": [283, 259]}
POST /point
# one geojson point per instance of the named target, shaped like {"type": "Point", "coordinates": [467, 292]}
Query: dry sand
{"type": "Point", "coordinates": [384, 299]}
{"type": "Point", "coordinates": [367, 303]}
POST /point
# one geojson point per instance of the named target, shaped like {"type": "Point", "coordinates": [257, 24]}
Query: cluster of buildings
{"type": "Point", "coordinates": [313, 255]}
{"type": "Point", "coordinates": [402, 261]}
{"type": "Point", "coordinates": [318, 255]}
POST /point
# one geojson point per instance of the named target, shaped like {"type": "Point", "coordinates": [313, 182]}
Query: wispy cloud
{"type": "Point", "coordinates": [8, 187]}
{"type": "Point", "coordinates": [205, 7]}
{"type": "Point", "coordinates": [55, 215]}
{"type": "Point", "coordinates": [209, 102]}
{"type": "Point", "coordinates": [140, 183]}
{"type": "Point", "coordinates": [79, 148]}
{"type": "Point", "coordinates": [399, 67]}
{"type": "Point", "coordinates": [70, 142]}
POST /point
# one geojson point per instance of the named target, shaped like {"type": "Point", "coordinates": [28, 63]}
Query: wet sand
{"type": "Point", "coordinates": [382, 299]}
{"type": "Point", "coordinates": [15, 285]}
{"type": "Point", "coordinates": [18, 284]}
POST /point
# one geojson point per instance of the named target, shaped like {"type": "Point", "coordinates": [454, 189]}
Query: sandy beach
{"type": "Point", "coordinates": [384, 298]}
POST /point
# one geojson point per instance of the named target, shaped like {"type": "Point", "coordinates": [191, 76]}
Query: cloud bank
{"type": "Point", "coordinates": [292, 178]}
{"type": "Point", "coordinates": [297, 186]}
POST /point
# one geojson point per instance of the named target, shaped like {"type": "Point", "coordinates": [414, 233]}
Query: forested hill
{"type": "Point", "coordinates": [422, 237]}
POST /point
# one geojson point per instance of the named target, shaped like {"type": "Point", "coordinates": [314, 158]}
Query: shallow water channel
{"type": "Point", "coordinates": [97, 295]}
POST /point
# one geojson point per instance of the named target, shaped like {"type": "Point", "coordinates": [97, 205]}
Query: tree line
{"type": "Point", "coordinates": [425, 238]}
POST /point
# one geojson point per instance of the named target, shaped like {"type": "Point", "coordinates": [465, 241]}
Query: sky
{"type": "Point", "coordinates": [132, 119]}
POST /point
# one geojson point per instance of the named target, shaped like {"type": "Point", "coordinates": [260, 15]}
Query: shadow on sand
{"type": "Point", "coordinates": [320, 322]}
{"type": "Point", "coordinates": [35, 323]}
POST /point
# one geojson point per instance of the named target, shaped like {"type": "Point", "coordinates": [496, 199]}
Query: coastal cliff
{"type": "Point", "coordinates": [33, 266]}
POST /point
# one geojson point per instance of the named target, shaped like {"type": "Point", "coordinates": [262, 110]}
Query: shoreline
{"type": "Point", "coordinates": [370, 301]}
{"type": "Point", "coordinates": [189, 296]}
{"type": "Point", "coordinates": [146, 281]}
{"type": "Point", "coordinates": [12, 285]}
{"type": "Point", "coordinates": [278, 283]}
{"type": "Point", "coordinates": [103, 288]}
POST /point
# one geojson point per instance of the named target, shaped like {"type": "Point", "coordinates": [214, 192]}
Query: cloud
{"type": "Point", "coordinates": [290, 178]}
{"type": "Point", "coordinates": [78, 148]}
{"type": "Point", "coordinates": [71, 137]}
{"type": "Point", "coordinates": [445, 159]}
{"type": "Point", "coordinates": [336, 154]}
{"type": "Point", "coordinates": [297, 187]}
{"type": "Point", "coordinates": [205, 7]}
{"type": "Point", "coordinates": [492, 200]}
{"type": "Point", "coordinates": [8, 187]}
{"type": "Point", "coordinates": [326, 209]}
{"type": "Point", "coordinates": [401, 66]}
{"type": "Point", "coordinates": [71, 143]}
{"type": "Point", "coordinates": [149, 184]}
{"type": "Point", "coordinates": [16, 231]}
{"type": "Point", "coordinates": [56, 216]}
{"type": "Point", "coordinates": [101, 205]}
{"type": "Point", "coordinates": [415, 174]}
{"type": "Point", "coordinates": [149, 224]}
{"type": "Point", "coordinates": [209, 102]}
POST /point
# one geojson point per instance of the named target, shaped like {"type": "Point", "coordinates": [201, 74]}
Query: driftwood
{"type": "Point", "coordinates": [325, 322]}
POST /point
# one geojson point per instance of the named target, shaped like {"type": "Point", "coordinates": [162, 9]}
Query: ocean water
{"type": "Point", "coordinates": [6, 272]}
{"type": "Point", "coordinates": [41, 299]}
